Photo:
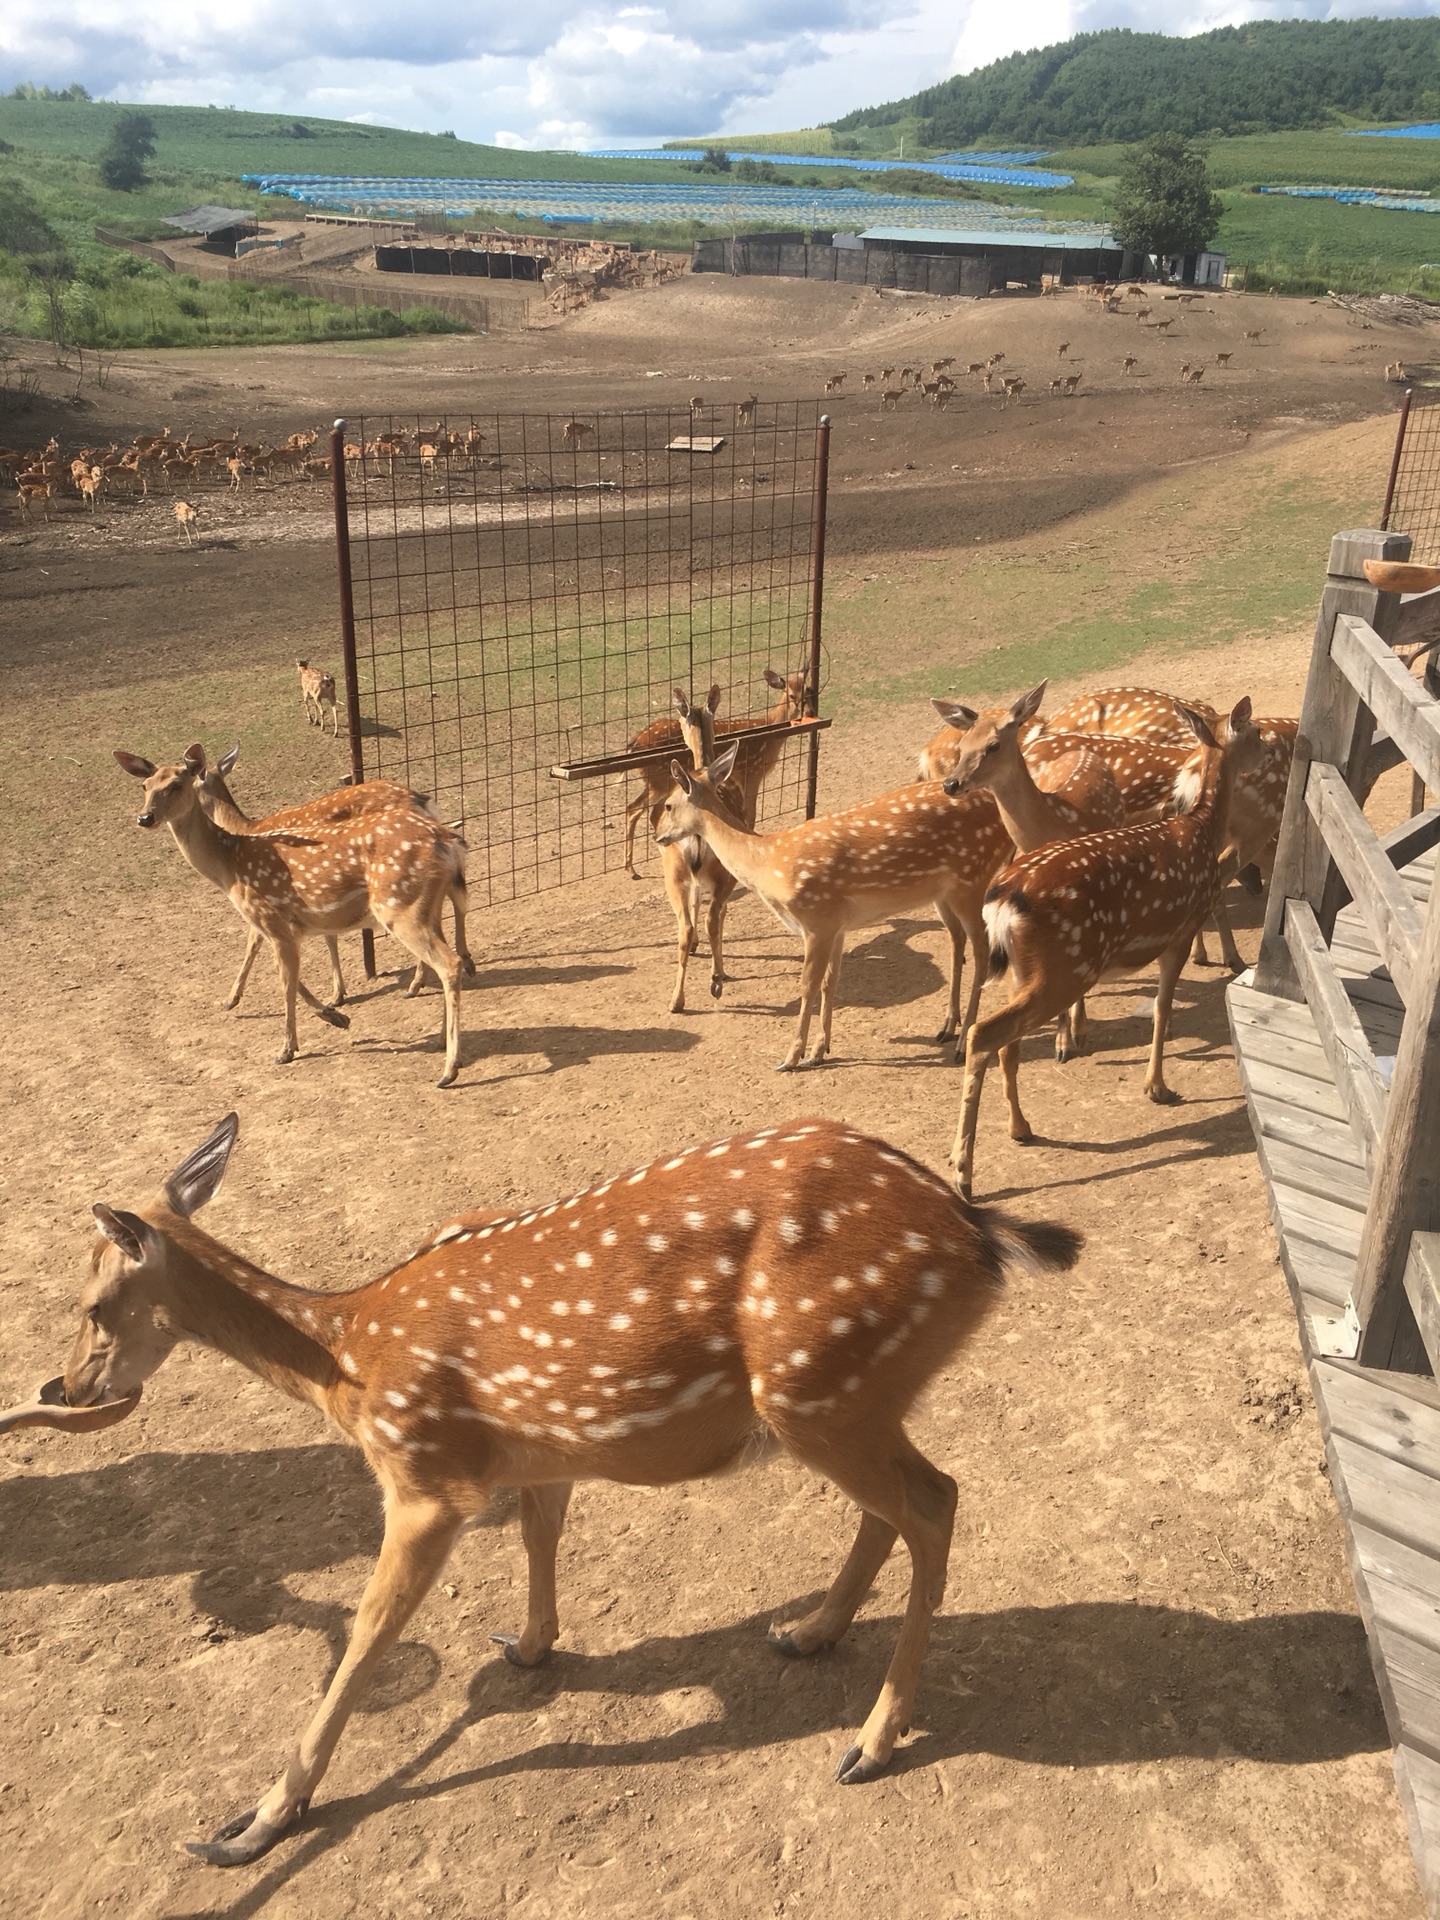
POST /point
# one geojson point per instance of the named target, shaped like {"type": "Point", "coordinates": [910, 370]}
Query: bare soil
{"type": "Point", "coordinates": [1148, 1687]}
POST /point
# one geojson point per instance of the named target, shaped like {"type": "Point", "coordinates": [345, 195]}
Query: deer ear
{"type": "Point", "coordinates": [681, 776]}
{"type": "Point", "coordinates": [962, 718]}
{"type": "Point", "coordinates": [680, 701]}
{"type": "Point", "coordinates": [1240, 713]}
{"type": "Point", "coordinates": [713, 698]}
{"type": "Point", "coordinates": [127, 1231]}
{"type": "Point", "coordinates": [723, 765]}
{"type": "Point", "coordinates": [1028, 705]}
{"type": "Point", "coordinates": [227, 760]}
{"type": "Point", "coordinates": [774, 679]}
{"type": "Point", "coordinates": [197, 1178]}
{"type": "Point", "coordinates": [195, 758]}
{"type": "Point", "coordinates": [1197, 722]}
{"type": "Point", "coordinates": [135, 763]}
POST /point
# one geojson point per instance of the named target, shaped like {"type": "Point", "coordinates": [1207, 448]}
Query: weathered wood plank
{"type": "Point", "coordinates": [1329, 1141]}
{"type": "Point", "coordinates": [1417, 1777]}
{"type": "Point", "coordinates": [1385, 1495]}
{"type": "Point", "coordinates": [1358, 1404]}
{"type": "Point", "coordinates": [1390, 913]}
{"type": "Point", "coordinates": [1411, 1677]}
{"type": "Point", "coordinates": [1422, 1290]}
{"type": "Point", "coordinates": [1327, 1272]}
{"type": "Point", "coordinates": [1398, 701]}
{"type": "Point", "coordinates": [1268, 1078]}
{"type": "Point", "coordinates": [1314, 1218]}
{"type": "Point", "coordinates": [1411, 846]}
{"type": "Point", "coordinates": [1341, 1034]}
{"type": "Point", "coordinates": [1300, 1167]}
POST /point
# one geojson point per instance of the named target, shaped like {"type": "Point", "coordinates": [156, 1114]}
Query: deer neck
{"type": "Point", "coordinates": [224, 812]}
{"type": "Point", "coordinates": [740, 850]}
{"type": "Point", "coordinates": [287, 1336]}
{"type": "Point", "coordinates": [1025, 812]}
{"type": "Point", "coordinates": [208, 847]}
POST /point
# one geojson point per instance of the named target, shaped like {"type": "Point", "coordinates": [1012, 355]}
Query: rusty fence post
{"type": "Point", "coordinates": [347, 636]}
{"type": "Point", "coordinates": [817, 604]}
{"type": "Point", "coordinates": [1400, 427]}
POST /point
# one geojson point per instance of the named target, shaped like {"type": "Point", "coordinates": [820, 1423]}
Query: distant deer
{"type": "Point", "coordinates": [1222, 359]}
{"type": "Point", "coordinates": [746, 1333]}
{"type": "Point", "coordinates": [835, 382]}
{"type": "Point", "coordinates": [1061, 919]}
{"type": "Point", "coordinates": [1072, 382]}
{"type": "Point", "coordinates": [185, 517]}
{"type": "Point", "coordinates": [574, 431]}
{"type": "Point", "coordinates": [745, 411]}
{"type": "Point", "coordinates": [317, 694]}
{"type": "Point", "coordinates": [1063, 349]}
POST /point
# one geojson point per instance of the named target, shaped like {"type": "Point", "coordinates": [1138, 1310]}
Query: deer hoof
{"type": "Point", "coordinates": [1163, 1096]}
{"type": "Point", "coordinates": [856, 1767]}
{"type": "Point", "coordinates": [469, 965]}
{"type": "Point", "coordinates": [717, 987]}
{"type": "Point", "coordinates": [333, 1017]}
{"type": "Point", "coordinates": [945, 1033]}
{"type": "Point", "coordinates": [783, 1641]}
{"type": "Point", "coordinates": [285, 1056]}
{"type": "Point", "coordinates": [449, 1077]}
{"type": "Point", "coordinates": [509, 1645]}
{"type": "Point", "coordinates": [245, 1838]}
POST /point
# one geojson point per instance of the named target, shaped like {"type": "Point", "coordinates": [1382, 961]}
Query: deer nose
{"type": "Point", "coordinates": [146, 819]}
{"type": "Point", "coordinates": [952, 787]}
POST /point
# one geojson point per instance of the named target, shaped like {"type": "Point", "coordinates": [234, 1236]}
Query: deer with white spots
{"type": "Point", "coordinates": [1066, 796]}
{"type": "Point", "coordinates": [317, 694]}
{"type": "Point", "coordinates": [692, 875]}
{"type": "Point", "coordinates": [392, 869]}
{"type": "Point", "coordinates": [822, 878]}
{"type": "Point", "coordinates": [799, 1287]}
{"type": "Point", "coordinates": [1142, 713]}
{"type": "Point", "coordinates": [1064, 918]}
{"type": "Point", "coordinates": [348, 803]}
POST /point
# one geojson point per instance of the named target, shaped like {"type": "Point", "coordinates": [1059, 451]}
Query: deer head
{"type": "Point", "coordinates": [992, 738]}
{"type": "Point", "coordinates": [800, 700]}
{"type": "Point", "coordinates": [695, 795]}
{"type": "Point", "coordinates": [171, 791]}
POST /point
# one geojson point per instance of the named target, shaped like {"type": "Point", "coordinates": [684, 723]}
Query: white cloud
{"type": "Point", "coordinates": [564, 72]}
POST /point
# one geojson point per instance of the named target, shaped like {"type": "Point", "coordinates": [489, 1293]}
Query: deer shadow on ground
{"type": "Point", "coordinates": [562, 1048]}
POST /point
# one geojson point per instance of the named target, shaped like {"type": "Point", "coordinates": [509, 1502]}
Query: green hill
{"type": "Point", "coordinates": [1267, 77]}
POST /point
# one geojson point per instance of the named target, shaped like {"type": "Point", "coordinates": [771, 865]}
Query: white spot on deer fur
{"type": "Point", "coordinates": [601, 1373]}
{"type": "Point", "coordinates": [743, 1217]}
{"type": "Point", "coordinates": [495, 1313]}
{"type": "Point", "coordinates": [374, 1327]}
{"type": "Point", "coordinates": [790, 1230]}
{"type": "Point", "coordinates": [656, 1242]}
{"type": "Point", "coordinates": [584, 1259]}
{"type": "Point", "coordinates": [639, 1295]}
{"type": "Point", "coordinates": [715, 1153]}
{"type": "Point", "coordinates": [609, 1237]}
{"type": "Point", "coordinates": [636, 1178]}
{"type": "Point", "coordinates": [584, 1306]}
{"type": "Point", "coordinates": [719, 1343]}
{"type": "Point", "coordinates": [543, 1339]}
{"type": "Point", "coordinates": [619, 1322]}
{"type": "Point", "coordinates": [390, 1432]}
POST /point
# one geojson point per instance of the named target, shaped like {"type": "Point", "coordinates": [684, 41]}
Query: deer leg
{"type": "Point", "coordinates": [633, 810]}
{"type": "Point", "coordinates": [1171, 963]}
{"type": "Point", "coordinates": [334, 722]}
{"type": "Point", "coordinates": [460, 906]}
{"type": "Point", "coordinates": [680, 886]}
{"type": "Point", "coordinates": [254, 941]}
{"type": "Point", "coordinates": [828, 987]}
{"type": "Point", "coordinates": [812, 975]}
{"type": "Point", "coordinates": [1010, 1068]}
{"type": "Point", "coordinates": [337, 978]}
{"type": "Point", "coordinates": [1229, 952]}
{"type": "Point", "coordinates": [418, 1539]}
{"type": "Point", "coordinates": [416, 927]}
{"type": "Point", "coordinates": [1070, 1032]}
{"type": "Point", "coordinates": [287, 964]}
{"type": "Point", "coordinates": [831, 1619]}
{"type": "Point", "coordinates": [542, 1519]}
{"type": "Point", "coordinates": [955, 927]}
{"type": "Point", "coordinates": [715, 932]}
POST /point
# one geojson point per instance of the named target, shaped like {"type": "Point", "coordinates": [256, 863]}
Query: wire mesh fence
{"type": "Point", "coordinates": [529, 588]}
{"type": "Point", "coordinates": [1412, 498]}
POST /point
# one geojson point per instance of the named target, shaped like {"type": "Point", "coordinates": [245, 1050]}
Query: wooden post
{"type": "Point", "coordinates": [1405, 1194]}
{"type": "Point", "coordinates": [1335, 727]}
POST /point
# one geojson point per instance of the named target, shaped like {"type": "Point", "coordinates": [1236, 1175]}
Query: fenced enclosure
{"type": "Point", "coordinates": [1412, 495]}
{"type": "Point", "coordinates": [521, 592]}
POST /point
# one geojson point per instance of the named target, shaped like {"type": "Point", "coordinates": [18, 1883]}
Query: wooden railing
{"type": "Point", "coordinates": [1329, 855]}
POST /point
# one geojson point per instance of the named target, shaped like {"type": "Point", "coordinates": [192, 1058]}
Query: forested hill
{"type": "Point", "coordinates": [1268, 77]}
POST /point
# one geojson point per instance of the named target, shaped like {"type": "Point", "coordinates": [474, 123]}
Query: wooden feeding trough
{"type": "Point", "coordinates": [1338, 1046]}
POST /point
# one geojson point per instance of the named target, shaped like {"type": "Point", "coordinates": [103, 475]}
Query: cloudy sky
{"type": "Point", "coordinates": [563, 72]}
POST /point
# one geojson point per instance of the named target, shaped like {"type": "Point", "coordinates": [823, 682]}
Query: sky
{"type": "Point", "coordinates": [564, 73]}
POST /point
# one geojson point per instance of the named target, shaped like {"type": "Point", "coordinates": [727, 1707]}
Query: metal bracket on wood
{"type": "Point", "coordinates": [1337, 1337]}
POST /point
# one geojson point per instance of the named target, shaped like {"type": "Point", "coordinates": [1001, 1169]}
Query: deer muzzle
{"type": "Point", "coordinates": [48, 1407]}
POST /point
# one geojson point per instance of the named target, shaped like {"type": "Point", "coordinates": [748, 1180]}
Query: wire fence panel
{"type": "Point", "coordinates": [529, 588]}
{"type": "Point", "coordinates": [1412, 500]}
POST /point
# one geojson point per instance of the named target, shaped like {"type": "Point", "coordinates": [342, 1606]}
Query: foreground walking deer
{"type": "Point", "coordinates": [693, 876]}
{"type": "Point", "coordinates": [347, 803]}
{"type": "Point", "coordinates": [394, 870]}
{"type": "Point", "coordinates": [822, 878]}
{"type": "Point", "coordinates": [1064, 918]}
{"type": "Point", "coordinates": [800, 1285]}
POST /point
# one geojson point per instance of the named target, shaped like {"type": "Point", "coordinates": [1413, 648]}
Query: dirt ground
{"type": "Point", "coordinates": [1148, 1688]}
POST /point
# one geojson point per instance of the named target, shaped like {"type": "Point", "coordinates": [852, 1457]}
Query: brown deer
{"type": "Point", "coordinates": [348, 803]}
{"type": "Point", "coordinates": [185, 517]}
{"type": "Point", "coordinates": [1066, 917]}
{"type": "Point", "coordinates": [757, 761]}
{"type": "Point", "coordinates": [575, 431]}
{"type": "Point", "coordinates": [798, 1287]}
{"type": "Point", "coordinates": [822, 878]}
{"type": "Point", "coordinates": [691, 873]}
{"type": "Point", "coordinates": [745, 410]}
{"type": "Point", "coordinates": [317, 692]}
{"type": "Point", "coordinates": [1067, 796]}
{"type": "Point", "coordinates": [1141, 712]}
{"type": "Point", "coordinates": [392, 869]}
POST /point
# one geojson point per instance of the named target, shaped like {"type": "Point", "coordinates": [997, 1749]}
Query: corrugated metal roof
{"type": "Point", "coordinates": [210, 219]}
{"type": "Point", "coordinates": [995, 237]}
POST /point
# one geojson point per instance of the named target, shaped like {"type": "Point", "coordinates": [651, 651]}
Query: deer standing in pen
{"type": "Point", "coordinates": [1069, 795]}
{"type": "Point", "coordinates": [348, 803]}
{"type": "Point", "coordinates": [799, 1287]}
{"type": "Point", "coordinates": [822, 878]}
{"type": "Point", "coordinates": [394, 870]}
{"type": "Point", "coordinates": [317, 693]}
{"type": "Point", "coordinates": [1142, 713]}
{"type": "Point", "coordinates": [1066, 917]}
{"type": "Point", "coordinates": [758, 758]}
{"type": "Point", "coordinates": [693, 876]}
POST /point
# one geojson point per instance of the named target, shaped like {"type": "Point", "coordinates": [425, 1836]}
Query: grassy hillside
{"type": "Point", "coordinates": [1265, 77]}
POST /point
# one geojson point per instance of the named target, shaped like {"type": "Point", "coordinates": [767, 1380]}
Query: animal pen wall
{"type": "Point", "coordinates": [522, 592]}
{"type": "Point", "coordinates": [972, 268]}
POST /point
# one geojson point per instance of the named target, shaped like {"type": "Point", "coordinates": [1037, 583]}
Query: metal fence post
{"type": "Point", "coordinates": [347, 636]}
{"type": "Point", "coordinates": [817, 604]}
{"type": "Point", "coordinates": [1400, 427]}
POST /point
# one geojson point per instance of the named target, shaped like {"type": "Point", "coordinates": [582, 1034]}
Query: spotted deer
{"type": "Point", "coordinates": [795, 1288]}
{"type": "Point", "coordinates": [1067, 796]}
{"type": "Point", "coordinates": [317, 693]}
{"type": "Point", "coordinates": [1066, 917]}
{"type": "Point", "coordinates": [331, 809]}
{"type": "Point", "coordinates": [1141, 712]}
{"type": "Point", "coordinates": [185, 517]}
{"type": "Point", "coordinates": [693, 876]}
{"type": "Point", "coordinates": [394, 870]}
{"type": "Point", "coordinates": [822, 878]}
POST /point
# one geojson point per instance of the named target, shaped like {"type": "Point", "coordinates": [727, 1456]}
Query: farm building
{"type": "Point", "coordinates": [472, 261]}
{"type": "Point", "coordinates": [919, 259]}
{"type": "Point", "coordinates": [222, 228]}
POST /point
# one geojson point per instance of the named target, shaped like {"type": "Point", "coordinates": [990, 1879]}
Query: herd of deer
{"type": "Point", "coordinates": [793, 1287]}
{"type": "Point", "coordinates": [43, 475]}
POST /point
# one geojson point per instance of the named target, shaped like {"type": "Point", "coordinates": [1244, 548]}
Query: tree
{"type": "Point", "coordinates": [1164, 202]}
{"type": "Point", "coordinates": [130, 145]}
{"type": "Point", "coordinates": [713, 160]}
